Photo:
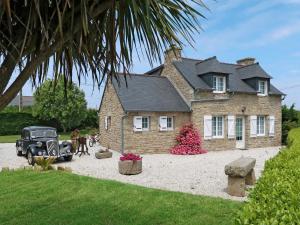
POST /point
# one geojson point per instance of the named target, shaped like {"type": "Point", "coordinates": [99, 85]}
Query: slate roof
{"type": "Point", "coordinates": [192, 69]}
{"type": "Point", "coordinates": [210, 65]}
{"type": "Point", "coordinates": [148, 93]}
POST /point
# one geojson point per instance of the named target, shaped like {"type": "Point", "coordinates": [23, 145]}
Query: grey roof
{"type": "Point", "coordinates": [190, 70]}
{"type": "Point", "coordinates": [210, 65]}
{"type": "Point", "coordinates": [253, 70]}
{"type": "Point", "coordinates": [148, 93]}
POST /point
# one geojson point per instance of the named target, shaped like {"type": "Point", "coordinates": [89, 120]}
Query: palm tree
{"type": "Point", "coordinates": [86, 37]}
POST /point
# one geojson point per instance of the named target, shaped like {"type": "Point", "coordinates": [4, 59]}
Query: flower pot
{"type": "Point", "coordinates": [130, 167]}
{"type": "Point", "coordinates": [103, 154]}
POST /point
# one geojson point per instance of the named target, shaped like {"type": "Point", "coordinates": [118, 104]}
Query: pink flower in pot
{"type": "Point", "coordinates": [130, 164]}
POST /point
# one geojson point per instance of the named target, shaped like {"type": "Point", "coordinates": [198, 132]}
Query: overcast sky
{"type": "Point", "coordinates": [266, 30]}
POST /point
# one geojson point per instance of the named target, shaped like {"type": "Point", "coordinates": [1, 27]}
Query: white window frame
{"type": "Point", "coordinates": [148, 123]}
{"type": "Point", "coordinates": [172, 123]}
{"type": "Point", "coordinates": [259, 132]}
{"type": "Point", "coordinates": [217, 87]}
{"type": "Point", "coordinates": [107, 122]}
{"type": "Point", "coordinates": [217, 135]}
{"type": "Point", "coordinates": [265, 91]}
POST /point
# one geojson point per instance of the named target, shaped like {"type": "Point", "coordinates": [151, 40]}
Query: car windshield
{"type": "Point", "coordinates": [43, 133]}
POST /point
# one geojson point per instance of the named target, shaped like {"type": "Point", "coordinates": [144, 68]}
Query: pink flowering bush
{"type": "Point", "coordinates": [130, 156]}
{"type": "Point", "coordinates": [189, 142]}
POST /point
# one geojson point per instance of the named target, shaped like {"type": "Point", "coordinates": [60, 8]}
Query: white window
{"type": "Point", "coordinates": [253, 126]}
{"type": "Point", "coordinates": [165, 123]}
{"type": "Point", "coordinates": [272, 126]}
{"type": "Point", "coordinates": [141, 123]}
{"type": "Point", "coordinates": [207, 127]}
{"type": "Point", "coordinates": [260, 127]}
{"type": "Point", "coordinates": [219, 84]}
{"type": "Point", "coordinates": [107, 122]}
{"type": "Point", "coordinates": [145, 123]}
{"type": "Point", "coordinates": [262, 88]}
{"type": "Point", "coordinates": [218, 126]}
{"type": "Point", "coordinates": [231, 126]}
{"type": "Point", "coordinates": [170, 123]}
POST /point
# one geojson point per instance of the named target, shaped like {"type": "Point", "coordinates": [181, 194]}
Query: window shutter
{"type": "Point", "coordinates": [106, 122]}
{"type": "Point", "coordinates": [253, 126]}
{"type": "Point", "coordinates": [207, 127]}
{"type": "Point", "coordinates": [271, 126]}
{"type": "Point", "coordinates": [163, 123]}
{"type": "Point", "coordinates": [231, 127]}
{"type": "Point", "coordinates": [137, 123]}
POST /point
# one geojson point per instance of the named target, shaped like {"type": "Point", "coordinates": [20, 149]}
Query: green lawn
{"type": "Point", "coordinates": [55, 197]}
{"type": "Point", "coordinates": [63, 136]}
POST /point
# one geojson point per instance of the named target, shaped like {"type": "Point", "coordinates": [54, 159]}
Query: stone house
{"type": "Point", "coordinates": [233, 106]}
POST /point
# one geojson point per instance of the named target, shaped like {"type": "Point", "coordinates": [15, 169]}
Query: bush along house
{"type": "Point", "coordinates": [233, 106]}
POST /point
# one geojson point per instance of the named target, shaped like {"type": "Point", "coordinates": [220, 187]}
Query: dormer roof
{"type": "Point", "coordinates": [252, 71]}
{"type": "Point", "coordinates": [210, 65]}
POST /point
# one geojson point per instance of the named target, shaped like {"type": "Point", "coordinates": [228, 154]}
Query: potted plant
{"type": "Point", "coordinates": [130, 164]}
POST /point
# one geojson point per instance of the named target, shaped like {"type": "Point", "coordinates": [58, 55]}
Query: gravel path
{"type": "Point", "coordinates": [198, 174]}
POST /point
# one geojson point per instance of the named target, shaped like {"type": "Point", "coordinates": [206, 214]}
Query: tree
{"type": "Point", "coordinates": [290, 120]}
{"type": "Point", "coordinates": [68, 108]}
{"type": "Point", "coordinates": [86, 37]}
{"type": "Point", "coordinates": [189, 142]}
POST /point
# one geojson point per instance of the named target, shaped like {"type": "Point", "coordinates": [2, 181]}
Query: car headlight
{"type": "Point", "coordinates": [39, 144]}
{"type": "Point", "coordinates": [40, 153]}
{"type": "Point", "coordinates": [68, 151]}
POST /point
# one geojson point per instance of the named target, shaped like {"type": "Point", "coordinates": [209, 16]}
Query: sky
{"type": "Point", "coordinates": [268, 30]}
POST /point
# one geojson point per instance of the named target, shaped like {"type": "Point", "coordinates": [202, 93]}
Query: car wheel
{"type": "Point", "coordinates": [19, 151]}
{"type": "Point", "coordinates": [68, 158]}
{"type": "Point", "coordinates": [30, 158]}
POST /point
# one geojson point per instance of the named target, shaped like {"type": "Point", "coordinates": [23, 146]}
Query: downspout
{"type": "Point", "coordinates": [122, 132]}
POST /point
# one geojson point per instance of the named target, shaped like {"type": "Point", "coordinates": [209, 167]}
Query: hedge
{"type": "Point", "coordinates": [276, 197]}
{"type": "Point", "coordinates": [12, 123]}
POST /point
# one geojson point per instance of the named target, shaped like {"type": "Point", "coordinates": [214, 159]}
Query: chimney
{"type": "Point", "coordinates": [172, 54]}
{"type": "Point", "coordinates": [246, 61]}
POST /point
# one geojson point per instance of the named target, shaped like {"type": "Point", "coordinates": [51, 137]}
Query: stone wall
{"type": "Point", "coordinates": [255, 105]}
{"type": "Point", "coordinates": [180, 84]}
{"type": "Point", "coordinates": [112, 107]}
{"type": "Point", "coordinates": [154, 140]}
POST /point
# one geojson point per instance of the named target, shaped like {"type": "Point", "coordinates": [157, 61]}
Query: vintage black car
{"type": "Point", "coordinates": [42, 141]}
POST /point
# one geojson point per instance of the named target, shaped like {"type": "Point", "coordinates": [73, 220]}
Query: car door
{"type": "Point", "coordinates": [26, 140]}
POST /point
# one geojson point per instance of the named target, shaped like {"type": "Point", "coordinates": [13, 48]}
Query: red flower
{"type": "Point", "coordinates": [130, 156]}
{"type": "Point", "coordinates": [189, 142]}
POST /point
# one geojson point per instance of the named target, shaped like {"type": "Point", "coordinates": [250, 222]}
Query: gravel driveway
{"type": "Point", "coordinates": [197, 174]}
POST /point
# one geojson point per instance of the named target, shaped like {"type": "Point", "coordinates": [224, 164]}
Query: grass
{"type": "Point", "coordinates": [63, 136]}
{"type": "Point", "coordinates": [54, 197]}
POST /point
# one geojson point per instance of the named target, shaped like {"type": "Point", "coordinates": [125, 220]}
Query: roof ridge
{"type": "Point", "coordinates": [155, 68]}
{"type": "Point", "coordinates": [204, 60]}
{"type": "Point", "coordinates": [257, 63]}
{"type": "Point", "coordinates": [192, 59]}
{"type": "Point", "coordinates": [142, 75]}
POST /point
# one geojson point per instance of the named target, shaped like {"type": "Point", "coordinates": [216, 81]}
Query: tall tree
{"type": "Point", "coordinates": [86, 37]}
{"type": "Point", "coordinates": [69, 110]}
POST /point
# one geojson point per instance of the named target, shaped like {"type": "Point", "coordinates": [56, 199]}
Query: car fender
{"type": "Point", "coordinates": [34, 149]}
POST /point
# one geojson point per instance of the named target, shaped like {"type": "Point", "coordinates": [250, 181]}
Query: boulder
{"type": "Point", "coordinates": [240, 167]}
{"type": "Point", "coordinates": [130, 167]}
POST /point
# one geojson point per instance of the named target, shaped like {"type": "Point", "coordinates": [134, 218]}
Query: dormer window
{"type": "Point", "coordinates": [219, 84]}
{"type": "Point", "coordinates": [262, 88]}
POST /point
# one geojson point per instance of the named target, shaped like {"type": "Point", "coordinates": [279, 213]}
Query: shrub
{"type": "Point", "coordinates": [189, 142]}
{"type": "Point", "coordinates": [276, 197]}
{"type": "Point", "coordinates": [130, 156]}
{"type": "Point", "coordinates": [45, 163]}
{"type": "Point", "coordinates": [91, 119]}
{"type": "Point", "coordinates": [290, 120]}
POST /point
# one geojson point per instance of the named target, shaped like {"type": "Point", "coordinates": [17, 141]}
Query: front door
{"type": "Point", "coordinates": [240, 132]}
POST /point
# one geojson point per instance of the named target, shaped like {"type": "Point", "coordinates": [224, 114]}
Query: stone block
{"type": "Point", "coordinates": [62, 168]}
{"type": "Point", "coordinates": [240, 167]}
{"type": "Point", "coordinates": [103, 154]}
{"type": "Point", "coordinates": [236, 186]}
{"type": "Point", "coordinates": [68, 169]}
{"type": "Point", "coordinates": [250, 178]}
{"type": "Point", "coordinates": [130, 167]}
